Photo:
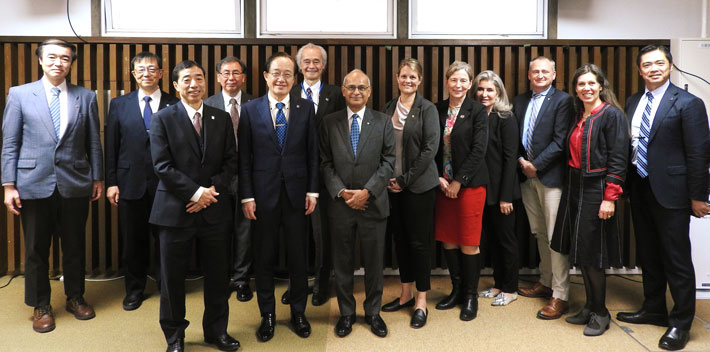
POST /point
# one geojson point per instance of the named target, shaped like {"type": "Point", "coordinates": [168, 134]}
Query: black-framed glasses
{"type": "Point", "coordinates": [352, 88]}
{"type": "Point", "coordinates": [149, 69]}
{"type": "Point", "coordinates": [227, 74]}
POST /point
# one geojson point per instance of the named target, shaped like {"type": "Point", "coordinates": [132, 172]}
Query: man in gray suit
{"type": "Point", "coordinates": [51, 168]}
{"type": "Point", "coordinates": [357, 158]}
{"type": "Point", "coordinates": [231, 73]}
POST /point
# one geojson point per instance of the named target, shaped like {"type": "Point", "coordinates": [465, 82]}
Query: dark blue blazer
{"type": "Point", "coordinates": [128, 162]}
{"type": "Point", "coordinates": [677, 148]}
{"type": "Point", "coordinates": [263, 165]}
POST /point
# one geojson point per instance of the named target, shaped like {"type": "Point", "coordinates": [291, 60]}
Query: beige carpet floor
{"type": "Point", "coordinates": [511, 328]}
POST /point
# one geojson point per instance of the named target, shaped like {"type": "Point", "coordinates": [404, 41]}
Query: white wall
{"type": "Point", "coordinates": [44, 17]}
{"type": "Point", "coordinates": [628, 19]}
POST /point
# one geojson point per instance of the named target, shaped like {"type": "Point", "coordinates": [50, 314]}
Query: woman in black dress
{"type": "Point", "coordinates": [587, 228]}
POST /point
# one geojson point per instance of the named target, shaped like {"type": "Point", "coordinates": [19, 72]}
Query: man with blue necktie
{"type": "Point", "coordinates": [668, 182]}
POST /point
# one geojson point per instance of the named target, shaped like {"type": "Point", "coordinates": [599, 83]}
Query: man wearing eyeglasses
{"type": "Point", "coordinates": [357, 159]}
{"type": "Point", "coordinates": [130, 179]}
{"type": "Point", "coordinates": [231, 73]}
{"type": "Point", "coordinates": [278, 186]}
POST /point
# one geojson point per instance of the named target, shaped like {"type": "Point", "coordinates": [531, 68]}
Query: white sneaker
{"type": "Point", "coordinates": [504, 299]}
{"type": "Point", "coordinates": [489, 293]}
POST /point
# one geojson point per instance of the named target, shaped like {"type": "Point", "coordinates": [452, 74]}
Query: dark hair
{"type": "Point", "coordinates": [57, 42]}
{"type": "Point", "coordinates": [183, 65]}
{"type": "Point", "coordinates": [273, 57]}
{"type": "Point", "coordinates": [229, 59]}
{"type": "Point", "coordinates": [606, 94]}
{"type": "Point", "coordinates": [145, 55]}
{"type": "Point", "coordinates": [653, 47]}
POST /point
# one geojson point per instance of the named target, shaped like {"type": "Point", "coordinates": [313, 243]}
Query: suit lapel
{"type": "Point", "coordinates": [365, 130]}
{"type": "Point", "coordinates": [72, 109]}
{"type": "Point", "coordinates": [545, 105]}
{"type": "Point", "coordinates": [184, 121]}
{"type": "Point", "coordinates": [134, 112]}
{"type": "Point", "coordinates": [463, 111]}
{"type": "Point", "coordinates": [264, 116]}
{"type": "Point", "coordinates": [632, 104]}
{"type": "Point", "coordinates": [43, 108]}
{"type": "Point", "coordinates": [344, 130]}
{"type": "Point", "coordinates": [521, 114]}
{"type": "Point", "coordinates": [164, 98]}
{"type": "Point", "coordinates": [669, 98]}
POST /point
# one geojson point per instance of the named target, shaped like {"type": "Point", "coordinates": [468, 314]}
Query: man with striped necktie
{"type": "Point", "coordinates": [668, 182]}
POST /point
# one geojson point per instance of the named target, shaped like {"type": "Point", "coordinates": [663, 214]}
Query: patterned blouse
{"type": "Point", "coordinates": [450, 120]}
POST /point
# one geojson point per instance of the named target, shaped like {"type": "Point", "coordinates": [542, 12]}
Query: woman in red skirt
{"type": "Point", "coordinates": [462, 182]}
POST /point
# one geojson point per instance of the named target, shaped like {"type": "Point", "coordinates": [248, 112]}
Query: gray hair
{"type": "Point", "coordinates": [459, 65]}
{"type": "Point", "coordinates": [543, 58]}
{"type": "Point", "coordinates": [502, 104]}
{"type": "Point", "coordinates": [357, 70]}
{"type": "Point", "coordinates": [323, 54]}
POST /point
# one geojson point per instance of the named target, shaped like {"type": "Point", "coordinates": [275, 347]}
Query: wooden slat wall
{"type": "Point", "coordinates": [103, 66]}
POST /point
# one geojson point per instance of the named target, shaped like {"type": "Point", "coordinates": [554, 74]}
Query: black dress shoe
{"type": "Point", "coordinates": [419, 318]}
{"type": "Point", "coordinates": [266, 329]}
{"type": "Point", "coordinates": [395, 305]}
{"type": "Point", "coordinates": [674, 339]}
{"type": "Point", "coordinates": [223, 342]}
{"type": "Point", "coordinates": [345, 325]}
{"type": "Point", "coordinates": [132, 301]}
{"type": "Point", "coordinates": [319, 298]}
{"type": "Point", "coordinates": [643, 317]}
{"type": "Point", "coordinates": [300, 325]}
{"type": "Point", "coordinates": [377, 325]}
{"type": "Point", "coordinates": [244, 293]}
{"type": "Point", "coordinates": [286, 297]}
{"type": "Point", "coordinates": [177, 346]}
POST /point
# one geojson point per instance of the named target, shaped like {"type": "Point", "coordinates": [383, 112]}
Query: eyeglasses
{"type": "Point", "coordinates": [360, 88]}
{"type": "Point", "coordinates": [149, 69]}
{"type": "Point", "coordinates": [227, 74]}
{"type": "Point", "coordinates": [286, 75]}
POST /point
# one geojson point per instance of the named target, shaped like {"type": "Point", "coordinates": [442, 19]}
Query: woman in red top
{"type": "Point", "coordinates": [587, 228]}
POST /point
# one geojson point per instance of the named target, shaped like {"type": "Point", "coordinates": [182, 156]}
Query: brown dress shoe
{"type": "Point", "coordinates": [43, 319]}
{"type": "Point", "coordinates": [554, 309]}
{"type": "Point", "coordinates": [538, 290]}
{"type": "Point", "coordinates": [80, 308]}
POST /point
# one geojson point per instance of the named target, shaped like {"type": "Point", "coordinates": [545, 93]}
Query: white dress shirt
{"type": "Point", "coordinates": [227, 98]}
{"type": "Point", "coordinates": [63, 98]}
{"type": "Point", "coordinates": [154, 100]}
{"type": "Point", "coordinates": [638, 115]}
{"type": "Point", "coordinates": [315, 92]}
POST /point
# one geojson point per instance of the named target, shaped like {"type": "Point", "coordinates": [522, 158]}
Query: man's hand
{"type": "Point", "coordinates": [359, 198]}
{"type": "Point", "coordinates": [506, 208]}
{"type": "Point", "coordinates": [97, 191]}
{"type": "Point", "coordinates": [606, 210]}
{"type": "Point", "coordinates": [700, 208]}
{"type": "Point", "coordinates": [112, 195]}
{"type": "Point", "coordinates": [528, 168]}
{"type": "Point", "coordinates": [346, 194]}
{"type": "Point", "coordinates": [208, 197]}
{"type": "Point", "coordinates": [12, 200]}
{"type": "Point", "coordinates": [393, 186]}
{"type": "Point", "coordinates": [249, 210]}
{"type": "Point", "coordinates": [453, 190]}
{"type": "Point", "coordinates": [310, 204]}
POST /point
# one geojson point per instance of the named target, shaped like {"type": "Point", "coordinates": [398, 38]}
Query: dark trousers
{"type": "Point", "coordinates": [371, 232]}
{"type": "Point", "coordinates": [41, 218]}
{"type": "Point", "coordinates": [411, 223]}
{"type": "Point", "coordinates": [266, 241]}
{"type": "Point", "coordinates": [500, 240]}
{"type": "Point", "coordinates": [663, 245]}
{"type": "Point", "coordinates": [241, 246]}
{"type": "Point", "coordinates": [321, 237]}
{"type": "Point", "coordinates": [176, 243]}
{"type": "Point", "coordinates": [136, 235]}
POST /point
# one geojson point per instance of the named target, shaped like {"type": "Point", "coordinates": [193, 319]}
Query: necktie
{"type": "Point", "coordinates": [644, 133]}
{"type": "Point", "coordinates": [531, 126]}
{"type": "Point", "coordinates": [198, 123]}
{"type": "Point", "coordinates": [55, 111]}
{"type": "Point", "coordinates": [147, 112]}
{"type": "Point", "coordinates": [354, 134]}
{"type": "Point", "coordinates": [281, 124]}
{"type": "Point", "coordinates": [309, 94]}
{"type": "Point", "coordinates": [234, 113]}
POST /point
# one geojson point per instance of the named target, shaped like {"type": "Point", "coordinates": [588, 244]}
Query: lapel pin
{"type": "Point", "coordinates": [327, 99]}
{"type": "Point", "coordinates": [368, 122]}
{"type": "Point", "coordinates": [462, 116]}
{"type": "Point", "coordinates": [76, 106]}
{"type": "Point", "coordinates": [298, 106]}
{"type": "Point", "coordinates": [212, 117]}
{"type": "Point", "coordinates": [412, 115]}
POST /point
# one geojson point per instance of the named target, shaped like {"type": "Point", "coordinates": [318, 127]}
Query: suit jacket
{"type": "Point", "coordinates": [549, 134]}
{"type": "Point", "coordinates": [677, 148]}
{"type": "Point", "coordinates": [469, 141]}
{"type": "Point", "coordinates": [35, 160]}
{"type": "Point", "coordinates": [184, 162]}
{"type": "Point", "coordinates": [330, 100]}
{"type": "Point", "coordinates": [420, 142]}
{"type": "Point", "coordinates": [128, 162]}
{"type": "Point", "coordinates": [370, 170]}
{"type": "Point", "coordinates": [263, 165]}
{"type": "Point", "coordinates": [217, 100]}
{"type": "Point", "coordinates": [502, 159]}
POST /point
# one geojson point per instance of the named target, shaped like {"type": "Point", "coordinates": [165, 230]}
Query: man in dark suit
{"type": "Point", "coordinates": [194, 156]}
{"type": "Point", "coordinates": [278, 174]}
{"type": "Point", "coordinates": [51, 169]}
{"type": "Point", "coordinates": [544, 115]}
{"type": "Point", "coordinates": [130, 179]}
{"type": "Point", "coordinates": [231, 73]}
{"type": "Point", "coordinates": [357, 159]}
{"type": "Point", "coordinates": [668, 181]}
{"type": "Point", "coordinates": [326, 99]}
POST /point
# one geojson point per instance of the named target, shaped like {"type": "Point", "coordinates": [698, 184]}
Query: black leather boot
{"type": "Point", "coordinates": [453, 260]}
{"type": "Point", "coordinates": [471, 273]}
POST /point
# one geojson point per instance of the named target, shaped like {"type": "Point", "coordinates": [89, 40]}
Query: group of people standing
{"type": "Point", "coordinates": [314, 156]}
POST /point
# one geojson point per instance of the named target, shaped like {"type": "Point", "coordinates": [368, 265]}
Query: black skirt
{"type": "Point", "coordinates": [579, 233]}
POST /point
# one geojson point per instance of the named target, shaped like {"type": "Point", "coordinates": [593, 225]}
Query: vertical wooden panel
{"type": "Point", "coordinates": [597, 54]}
{"type": "Point", "coordinates": [331, 67]}
{"type": "Point", "coordinates": [457, 55]}
{"type": "Point", "coordinates": [572, 62]}
{"type": "Point", "coordinates": [216, 87]}
{"type": "Point", "coordinates": [209, 72]}
{"type": "Point", "coordinates": [609, 67]}
{"type": "Point", "coordinates": [634, 72]}
{"type": "Point", "coordinates": [561, 81]}
{"type": "Point", "coordinates": [621, 82]}
{"type": "Point", "coordinates": [445, 62]}
{"type": "Point", "coordinates": [484, 60]}
{"type": "Point", "coordinates": [167, 69]}
{"type": "Point", "coordinates": [496, 59]}
{"type": "Point", "coordinates": [382, 73]}
{"type": "Point", "coordinates": [126, 69]}
{"type": "Point", "coordinates": [522, 71]}
{"type": "Point", "coordinates": [393, 67]}
{"type": "Point", "coordinates": [508, 72]}
{"type": "Point", "coordinates": [434, 75]}
{"type": "Point", "coordinates": [357, 58]}
{"type": "Point", "coordinates": [344, 60]}
{"type": "Point", "coordinates": [33, 62]}
{"type": "Point", "coordinates": [584, 55]}
{"type": "Point", "coordinates": [21, 68]}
